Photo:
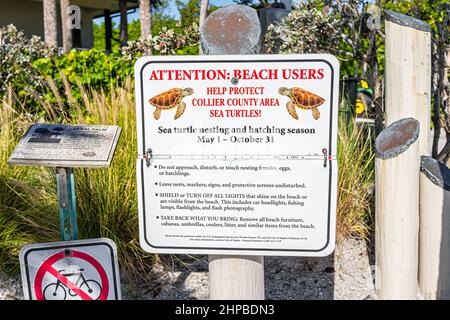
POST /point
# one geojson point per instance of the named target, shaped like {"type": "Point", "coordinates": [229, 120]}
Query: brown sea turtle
{"type": "Point", "coordinates": [170, 99]}
{"type": "Point", "coordinates": [302, 99]}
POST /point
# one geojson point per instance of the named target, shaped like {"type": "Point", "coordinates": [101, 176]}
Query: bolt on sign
{"type": "Point", "coordinates": [71, 270]}
{"type": "Point", "coordinates": [237, 154]}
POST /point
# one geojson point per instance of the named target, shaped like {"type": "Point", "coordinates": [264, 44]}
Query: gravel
{"type": "Point", "coordinates": [344, 275]}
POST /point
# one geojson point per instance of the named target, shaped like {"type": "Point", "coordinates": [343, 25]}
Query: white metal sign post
{"type": "Point", "coordinates": [237, 154]}
{"type": "Point", "coordinates": [71, 270]}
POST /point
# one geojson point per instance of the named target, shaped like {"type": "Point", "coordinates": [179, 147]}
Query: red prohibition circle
{"type": "Point", "coordinates": [47, 266]}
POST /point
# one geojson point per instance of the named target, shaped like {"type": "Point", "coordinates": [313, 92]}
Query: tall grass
{"type": "Point", "coordinates": [28, 208]}
{"type": "Point", "coordinates": [106, 198]}
{"type": "Point", "coordinates": [355, 182]}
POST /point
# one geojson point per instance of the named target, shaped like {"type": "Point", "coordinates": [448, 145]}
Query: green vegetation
{"type": "Point", "coordinates": [106, 198]}
{"type": "Point", "coordinates": [356, 178]}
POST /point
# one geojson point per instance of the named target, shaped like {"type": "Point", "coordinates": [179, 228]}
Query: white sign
{"type": "Point", "coordinates": [237, 154]}
{"type": "Point", "coordinates": [71, 270]}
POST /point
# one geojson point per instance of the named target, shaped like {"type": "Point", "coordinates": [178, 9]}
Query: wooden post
{"type": "Point", "coordinates": [50, 26]}
{"type": "Point", "coordinates": [233, 30]}
{"type": "Point", "coordinates": [66, 31]}
{"type": "Point", "coordinates": [434, 236]}
{"type": "Point", "coordinates": [236, 278]}
{"type": "Point", "coordinates": [408, 72]}
{"type": "Point", "coordinates": [397, 167]}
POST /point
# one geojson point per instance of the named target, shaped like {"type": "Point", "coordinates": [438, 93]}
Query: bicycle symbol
{"type": "Point", "coordinates": [59, 290]}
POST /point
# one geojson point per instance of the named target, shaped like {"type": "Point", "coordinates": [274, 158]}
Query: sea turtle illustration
{"type": "Point", "coordinates": [170, 99]}
{"type": "Point", "coordinates": [302, 99]}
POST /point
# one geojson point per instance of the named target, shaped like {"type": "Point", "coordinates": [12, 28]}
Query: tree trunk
{"type": "Point", "coordinates": [123, 22]}
{"type": "Point", "coordinates": [50, 29]}
{"type": "Point", "coordinates": [203, 11]}
{"type": "Point", "coordinates": [203, 14]}
{"type": "Point", "coordinates": [65, 22]}
{"type": "Point", "coordinates": [146, 18]}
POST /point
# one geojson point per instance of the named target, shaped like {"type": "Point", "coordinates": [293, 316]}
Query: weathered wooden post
{"type": "Point", "coordinates": [434, 237]}
{"type": "Point", "coordinates": [234, 30]}
{"type": "Point", "coordinates": [397, 167]}
{"type": "Point", "coordinates": [408, 72]}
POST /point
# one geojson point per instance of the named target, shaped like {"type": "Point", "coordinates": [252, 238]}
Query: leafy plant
{"type": "Point", "coordinates": [356, 175]}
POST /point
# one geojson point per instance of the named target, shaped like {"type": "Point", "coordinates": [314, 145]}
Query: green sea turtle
{"type": "Point", "coordinates": [302, 99]}
{"type": "Point", "coordinates": [170, 99]}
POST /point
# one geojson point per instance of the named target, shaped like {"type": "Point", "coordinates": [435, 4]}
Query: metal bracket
{"type": "Point", "coordinates": [148, 157]}
{"type": "Point", "coordinates": [325, 157]}
{"type": "Point", "coordinates": [67, 204]}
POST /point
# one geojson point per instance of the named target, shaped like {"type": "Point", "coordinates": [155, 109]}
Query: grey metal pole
{"type": "Point", "coordinates": [65, 184]}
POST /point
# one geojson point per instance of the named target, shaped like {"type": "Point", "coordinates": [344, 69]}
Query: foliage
{"type": "Point", "coordinates": [17, 54]}
{"type": "Point", "coordinates": [426, 10]}
{"type": "Point", "coordinates": [91, 68]}
{"type": "Point", "coordinates": [323, 27]}
{"type": "Point", "coordinates": [190, 11]}
{"type": "Point", "coordinates": [37, 75]}
{"type": "Point", "coordinates": [168, 42]}
{"type": "Point", "coordinates": [159, 21]}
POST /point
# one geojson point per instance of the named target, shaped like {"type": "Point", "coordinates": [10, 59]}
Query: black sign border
{"type": "Point", "coordinates": [330, 162]}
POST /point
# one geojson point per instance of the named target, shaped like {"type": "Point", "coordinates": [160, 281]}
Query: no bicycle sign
{"type": "Point", "coordinates": [237, 154]}
{"type": "Point", "coordinates": [70, 270]}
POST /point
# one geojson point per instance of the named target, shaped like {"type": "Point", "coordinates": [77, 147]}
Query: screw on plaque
{"type": "Point", "coordinates": [67, 252]}
{"type": "Point", "coordinates": [325, 154]}
{"type": "Point", "coordinates": [148, 157]}
{"type": "Point", "coordinates": [234, 80]}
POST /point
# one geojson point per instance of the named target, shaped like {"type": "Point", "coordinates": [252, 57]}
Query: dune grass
{"type": "Point", "coordinates": [356, 175]}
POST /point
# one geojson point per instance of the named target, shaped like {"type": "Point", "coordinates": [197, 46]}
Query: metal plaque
{"type": "Point", "coordinates": [60, 145]}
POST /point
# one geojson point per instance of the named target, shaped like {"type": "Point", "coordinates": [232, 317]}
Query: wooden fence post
{"type": "Point", "coordinates": [233, 30]}
{"type": "Point", "coordinates": [434, 237]}
{"type": "Point", "coordinates": [397, 167]}
{"type": "Point", "coordinates": [408, 73]}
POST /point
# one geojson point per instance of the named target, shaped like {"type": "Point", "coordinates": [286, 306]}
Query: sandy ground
{"type": "Point", "coordinates": [346, 274]}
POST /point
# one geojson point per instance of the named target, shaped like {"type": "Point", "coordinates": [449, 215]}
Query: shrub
{"type": "Point", "coordinates": [17, 54]}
